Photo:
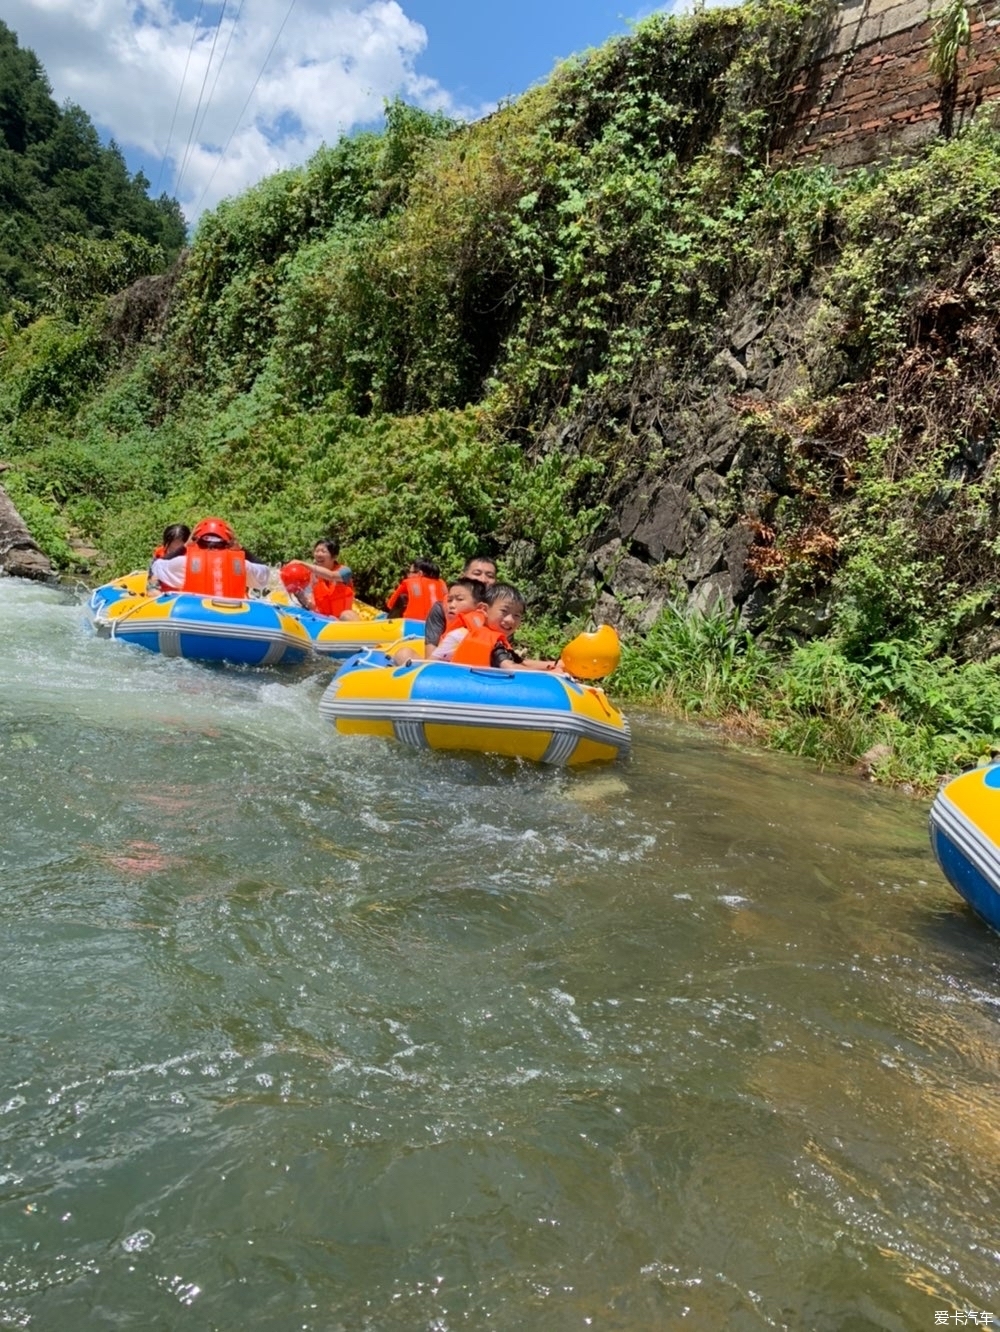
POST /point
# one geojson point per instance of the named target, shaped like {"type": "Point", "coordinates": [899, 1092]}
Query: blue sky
{"type": "Point", "coordinates": [209, 96]}
{"type": "Point", "coordinates": [485, 51]}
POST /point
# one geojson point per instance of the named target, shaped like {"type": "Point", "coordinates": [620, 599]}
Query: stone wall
{"type": "Point", "coordinates": [872, 95]}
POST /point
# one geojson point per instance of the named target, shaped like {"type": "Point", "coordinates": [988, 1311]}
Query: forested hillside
{"type": "Point", "coordinates": [60, 186]}
{"type": "Point", "coordinates": [744, 409]}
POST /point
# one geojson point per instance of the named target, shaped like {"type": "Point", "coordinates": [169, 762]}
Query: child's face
{"type": "Point", "coordinates": [505, 615]}
{"type": "Point", "coordinates": [460, 600]}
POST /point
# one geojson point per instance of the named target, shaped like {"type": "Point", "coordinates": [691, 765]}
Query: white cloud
{"type": "Point", "coordinates": [126, 61]}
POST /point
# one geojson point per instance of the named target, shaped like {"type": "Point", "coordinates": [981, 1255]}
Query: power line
{"type": "Point", "coordinates": [180, 94]}
{"type": "Point", "coordinates": [215, 81]}
{"type": "Point", "coordinates": [260, 75]}
{"type": "Point", "coordinates": [201, 94]}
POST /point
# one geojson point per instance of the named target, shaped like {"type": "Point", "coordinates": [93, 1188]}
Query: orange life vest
{"type": "Point", "coordinates": [476, 648]}
{"type": "Point", "coordinates": [332, 598]}
{"type": "Point", "coordinates": [421, 594]}
{"type": "Point", "coordinates": [473, 619]}
{"type": "Point", "coordinates": [215, 573]}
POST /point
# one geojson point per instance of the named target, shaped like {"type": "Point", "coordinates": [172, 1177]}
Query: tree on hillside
{"type": "Point", "coordinates": [57, 180]}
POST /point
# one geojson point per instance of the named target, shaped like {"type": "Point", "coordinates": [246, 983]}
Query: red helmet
{"type": "Point", "coordinates": [295, 575]}
{"type": "Point", "coordinates": [216, 527]}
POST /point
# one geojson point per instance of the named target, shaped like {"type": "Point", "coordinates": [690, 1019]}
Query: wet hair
{"type": "Point", "coordinates": [426, 567]}
{"type": "Point", "coordinates": [504, 592]}
{"type": "Point", "coordinates": [174, 536]}
{"type": "Point", "coordinates": [332, 546]}
{"type": "Point", "coordinates": [473, 585]}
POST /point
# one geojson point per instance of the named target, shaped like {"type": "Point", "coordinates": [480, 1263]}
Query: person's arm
{"type": "Point", "coordinates": [398, 599]}
{"type": "Point", "coordinates": [435, 625]}
{"type": "Point", "coordinates": [258, 575]}
{"type": "Point", "coordinates": [341, 575]}
{"type": "Point", "coordinates": [506, 659]}
{"type": "Point", "coordinates": [169, 573]}
{"type": "Point", "coordinates": [445, 650]}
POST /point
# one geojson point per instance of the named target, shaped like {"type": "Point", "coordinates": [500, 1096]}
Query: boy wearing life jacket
{"type": "Point", "coordinates": [466, 610]}
{"type": "Point", "coordinates": [482, 570]}
{"type": "Point", "coordinates": [418, 592]}
{"type": "Point", "coordinates": [490, 644]}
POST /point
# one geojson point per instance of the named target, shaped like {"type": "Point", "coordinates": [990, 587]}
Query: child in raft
{"type": "Point", "coordinates": [466, 609]}
{"type": "Point", "coordinates": [481, 569]}
{"type": "Point", "coordinates": [489, 643]}
{"type": "Point", "coordinates": [418, 592]}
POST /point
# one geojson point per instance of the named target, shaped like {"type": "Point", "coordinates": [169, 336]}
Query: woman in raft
{"type": "Point", "coordinates": [330, 590]}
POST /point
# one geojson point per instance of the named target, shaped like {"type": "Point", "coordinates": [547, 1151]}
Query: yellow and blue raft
{"type": "Point", "coordinates": [258, 631]}
{"type": "Point", "coordinates": [965, 837]}
{"type": "Point", "coordinates": [536, 715]}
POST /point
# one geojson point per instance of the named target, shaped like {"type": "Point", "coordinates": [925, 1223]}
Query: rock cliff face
{"type": "Point", "coordinates": [690, 516]}
{"type": "Point", "coordinates": [688, 510]}
{"type": "Point", "coordinates": [19, 553]}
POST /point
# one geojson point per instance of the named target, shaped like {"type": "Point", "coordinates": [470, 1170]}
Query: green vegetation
{"type": "Point", "coordinates": [59, 185]}
{"type": "Point", "coordinates": [437, 338]}
{"type": "Point", "coordinates": [911, 716]}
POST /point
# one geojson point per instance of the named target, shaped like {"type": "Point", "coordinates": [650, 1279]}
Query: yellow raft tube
{"type": "Point", "coordinates": [258, 631]}
{"type": "Point", "coordinates": [537, 715]}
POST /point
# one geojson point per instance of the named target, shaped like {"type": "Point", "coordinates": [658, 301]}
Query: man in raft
{"type": "Point", "coordinates": [212, 565]}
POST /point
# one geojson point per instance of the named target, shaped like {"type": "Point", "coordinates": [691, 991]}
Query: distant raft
{"type": "Point", "coordinates": [259, 631]}
{"type": "Point", "coordinates": [965, 836]}
{"type": "Point", "coordinates": [537, 715]}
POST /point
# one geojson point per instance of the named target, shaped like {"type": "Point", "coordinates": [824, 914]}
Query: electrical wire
{"type": "Point", "coordinates": [201, 94]}
{"type": "Point", "coordinates": [180, 94]}
{"type": "Point", "coordinates": [215, 81]}
{"type": "Point", "coordinates": [260, 75]}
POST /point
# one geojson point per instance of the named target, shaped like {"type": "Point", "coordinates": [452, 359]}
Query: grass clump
{"type": "Point", "coordinates": [921, 715]}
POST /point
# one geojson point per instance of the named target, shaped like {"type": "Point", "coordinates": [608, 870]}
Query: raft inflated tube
{"type": "Point", "coordinates": [261, 630]}
{"type": "Point", "coordinates": [537, 715]}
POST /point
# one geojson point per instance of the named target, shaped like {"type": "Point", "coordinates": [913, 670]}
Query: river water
{"type": "Point", "coordinates": [309, 1031]}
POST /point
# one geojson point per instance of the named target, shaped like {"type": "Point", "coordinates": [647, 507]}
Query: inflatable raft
{"type": "Point", "coordinates": [965, 836]}
{"type": "Point", "coordinates": [260, 631]}
{"type": "Point", "coordinates": [535, 715]}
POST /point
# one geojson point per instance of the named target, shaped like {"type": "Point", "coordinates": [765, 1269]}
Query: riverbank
{"type": "Point", "coordinates": [899, 716]}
